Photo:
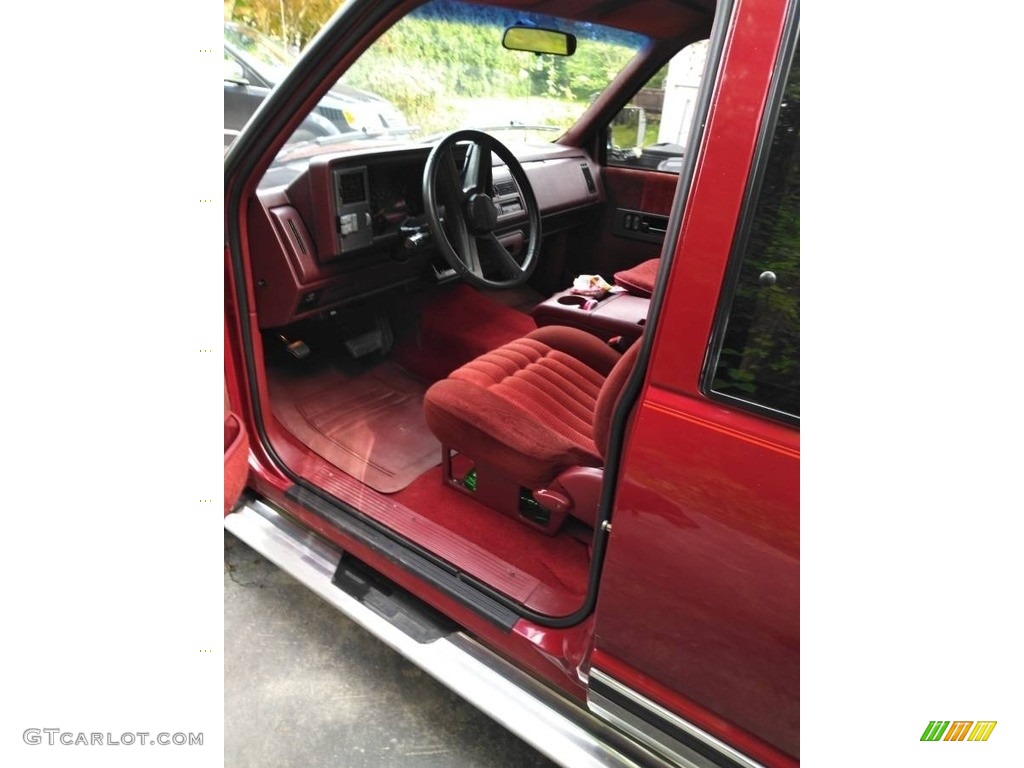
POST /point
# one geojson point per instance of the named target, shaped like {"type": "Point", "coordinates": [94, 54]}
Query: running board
{"type": "Point", "coordinates": [552, 724]}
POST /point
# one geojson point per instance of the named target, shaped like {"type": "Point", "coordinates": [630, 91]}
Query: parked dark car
{"type": "Point", "coordinates": [254, 64]}
{"type": "Point", "coordinates": [242, 99]}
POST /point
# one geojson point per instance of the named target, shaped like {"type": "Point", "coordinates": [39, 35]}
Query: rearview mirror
{"type": "Point", "coordinates": [536, 40]}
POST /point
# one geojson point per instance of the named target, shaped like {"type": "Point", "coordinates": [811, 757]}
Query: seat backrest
{"type": "Point", "coordinates": [609, 396]}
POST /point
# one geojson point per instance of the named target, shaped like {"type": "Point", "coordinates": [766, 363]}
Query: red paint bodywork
{"type": "Point", "coordinates": [699, 599]}
{"type": "Point", "coordinates": [698, 603]}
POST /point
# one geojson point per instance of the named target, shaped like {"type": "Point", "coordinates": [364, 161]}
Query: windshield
{"type": "Point", "coordinates": [443, 67]}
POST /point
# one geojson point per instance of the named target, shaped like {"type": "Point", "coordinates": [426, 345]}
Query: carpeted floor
{"type": "Point", "coordinates": [368, 422]}
{"type": "Point", "coordinates": [456, 327]}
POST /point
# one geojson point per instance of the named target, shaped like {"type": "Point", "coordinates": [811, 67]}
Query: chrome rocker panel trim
{"type": "Point", "coordinates": [638, 718]}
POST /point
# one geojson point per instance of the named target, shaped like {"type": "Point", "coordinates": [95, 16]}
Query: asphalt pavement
{"type": "Point", "coordinates": [306, 687]}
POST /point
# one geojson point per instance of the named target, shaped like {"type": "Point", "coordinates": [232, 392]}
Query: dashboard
{"type": "Point", "coordinates": [339, 227]}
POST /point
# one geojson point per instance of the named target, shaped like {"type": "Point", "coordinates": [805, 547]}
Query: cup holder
{"type": "Point", "coordinates": [572, 300]}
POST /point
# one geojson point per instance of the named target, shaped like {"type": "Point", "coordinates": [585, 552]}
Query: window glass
{"type": "Point", "coordinates": [759, 357]}
{"type": "Point", "coordinates": [650, 132]}
{"type": "Point", "coordinates": [443, 68]}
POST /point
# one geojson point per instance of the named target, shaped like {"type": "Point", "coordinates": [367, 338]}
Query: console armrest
{"type": "Point", "coordinates": [618, 314]}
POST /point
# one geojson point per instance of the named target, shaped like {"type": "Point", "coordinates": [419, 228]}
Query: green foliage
{"type": "Point", "coordinates": [458, 57]}
{"type": "Point", "coordinates": [761, 354]}
{"type": "Point", "coordinates": [592, 67]}
{"type": "Point", "coordinates": [624, 136]}
{"type": "Point", "coordinates": [657, 81]}
{"type": "Point", "coordinates": [416, 91]}
{"type": "Point", "coordinates": [294, 22]}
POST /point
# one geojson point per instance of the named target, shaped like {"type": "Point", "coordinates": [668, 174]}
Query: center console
{"type": "Point", "coordinates": [614, 314]}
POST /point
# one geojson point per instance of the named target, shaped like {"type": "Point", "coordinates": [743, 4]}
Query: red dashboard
{"type": "Point", "coordinates": [348, 225]}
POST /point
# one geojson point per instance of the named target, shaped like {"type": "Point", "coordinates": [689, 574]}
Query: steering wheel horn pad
{"type": "Point", "coordinates": [463, 217]}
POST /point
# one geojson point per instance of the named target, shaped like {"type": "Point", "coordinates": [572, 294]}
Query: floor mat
{"type": "Point", "coordinates": [370, 427]}
{"type": "Point", "coordinates": [457, 327]}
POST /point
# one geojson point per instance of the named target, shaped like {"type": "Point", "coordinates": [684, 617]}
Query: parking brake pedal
{"type": "Point", "coordinates": [297, 349]}
{"type": "Point", "coordinates": [377, 339]}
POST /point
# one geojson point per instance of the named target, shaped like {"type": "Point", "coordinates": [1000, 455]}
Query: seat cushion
{"type": "Point", "coordinates": [639, 280]}
{"type": "Point", "coordinates": [527, 408]}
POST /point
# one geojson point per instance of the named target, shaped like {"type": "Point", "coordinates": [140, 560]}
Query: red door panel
{"type": "Point", "coordinates": [613, 248]}
{"type": "Point", "coordinates": [650, 191]}
{"type": "Point", "coordinates": [236, 459]}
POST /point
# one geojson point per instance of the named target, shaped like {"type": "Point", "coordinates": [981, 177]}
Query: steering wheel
{"type": "Point", "coordinates": [462, 216]}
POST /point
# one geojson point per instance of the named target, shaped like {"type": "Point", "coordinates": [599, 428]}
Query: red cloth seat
{"type": "Point", "coordinates": [533, 407]}
{"type": "Point", "coordinates": [639, 280]}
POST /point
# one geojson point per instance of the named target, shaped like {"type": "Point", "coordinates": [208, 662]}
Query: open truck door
{"type": "Point", "coordinates": [697, 638]}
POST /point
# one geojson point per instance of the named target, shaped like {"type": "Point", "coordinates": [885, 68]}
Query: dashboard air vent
{"type": "Point", "coordinates": [504, 187]}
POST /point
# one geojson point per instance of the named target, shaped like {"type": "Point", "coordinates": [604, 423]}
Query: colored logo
{"type": "Point", "coordinates": [958, 730]}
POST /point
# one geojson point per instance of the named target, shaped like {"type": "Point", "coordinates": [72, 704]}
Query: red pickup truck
{"type": "Point", "coordinates": [521, 406]}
